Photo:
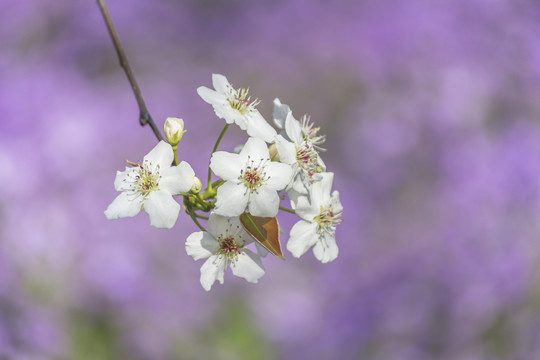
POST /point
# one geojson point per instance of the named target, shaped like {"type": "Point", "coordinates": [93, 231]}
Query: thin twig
{"type": "Point", "coordinates": [144, 115]}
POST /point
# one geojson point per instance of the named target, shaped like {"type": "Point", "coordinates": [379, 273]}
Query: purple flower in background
{"type": "Point", "coordinates": [430, 112]}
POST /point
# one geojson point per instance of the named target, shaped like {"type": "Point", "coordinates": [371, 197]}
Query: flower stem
{"type": "Point", "coordinates": [287, 210]}
{"type": "Point", "coordinates": [213, 151]}
{"type": "Point", "coordinates": [175, 147]}
{"type": "Point", "coordinates": [218, 183]}
{"type": "Point", "coordinates": [200, 216]}
{"type": "Point", "coordinates": [194, 218]}
{"type": "Point", "coordinates": [204, 204]}
{"type": "Point", "coordinates": [144, 115]}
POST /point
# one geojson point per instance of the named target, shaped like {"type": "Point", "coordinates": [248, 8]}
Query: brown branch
{"type": "Point", "coordinates": [144, 115]}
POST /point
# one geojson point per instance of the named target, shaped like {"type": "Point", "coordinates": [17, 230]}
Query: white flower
{"type": "Point", "coordinates": [311, 133]}
{"type": "Point", "coordinates": [174, 130]}
{"type": "Point", "coordinates": [319, 220]}
{"type": "Point", "coordinates": [236, 106]}
{"type": "Point", "coordinates": [252, 180]}
{"type": "Point", "coordinates": [224, 245]}
{"type": "Point", "coordinates": [296, 149]}
{"type": "Point", "coordinates": [151, 186]}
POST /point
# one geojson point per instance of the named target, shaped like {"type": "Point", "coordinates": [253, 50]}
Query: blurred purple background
{"type": "Point", "coordinates": [432, 115]}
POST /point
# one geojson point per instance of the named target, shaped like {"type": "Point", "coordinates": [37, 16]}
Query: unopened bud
{"type": "Point", "coordinates": [197, 185]}
{"type": "Point", "coordinates": [174, 130]}
{"type": "Point", "coordinates": [274, 155]}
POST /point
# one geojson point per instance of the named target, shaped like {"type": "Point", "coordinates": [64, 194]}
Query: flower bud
{"type": "Point", "coordinates": [174, 130]}
{"type": "Point", "coordinates": [274, 155]}
{"type": "Point", "coordinates": [197, 185]}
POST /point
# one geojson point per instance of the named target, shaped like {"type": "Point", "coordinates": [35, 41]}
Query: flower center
{"type": "Point", "coordinates": [253, 176]}
{"type": "Point", "coordinates": [327, 220]}
{"type": "Point", "coordinates": [230, 242]}
{"type": "Point", "coordinates": [229, 248]}
{"type": "Point", "coordinates": [308, 160]}
{"type": "Point", "coordinates": [147, 180]}
{"type": "Point", "coordinates": [241, 101]}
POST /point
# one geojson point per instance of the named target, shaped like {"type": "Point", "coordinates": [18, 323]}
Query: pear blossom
{"type": "Point", "coordinates": [235, 106]}
{"type": "Point", "coordinates": [296, 149]}
{"type": "Point", "coordinates": [224, 245]}
{"type": "Point", "coordinates": [320, 216]}
{"type": "Point", "coordinates": [151, 186]}
{"type": "Point", "coordinates": [252, 180]}
{"type": "Point", "coordinates": [309, 131]}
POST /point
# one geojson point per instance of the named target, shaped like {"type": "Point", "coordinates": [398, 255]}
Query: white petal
{"type": "Point", "coordinates": [303, 207]}
{"type": "Point", "coordinates": [231, 199]}
{"type": "Point", "coordinates": [162, 209]}
{"type": "Point", "coordinates": [293, 128]}
{"type": "Point", "coordinates": [235, 116]}
{"type": "Point", "coordinates": [226, 165]}
{"type": "Point", "coordinates": [221, 84]}
{"type": "Point", "coordinates": [177, 179]}
{"type": "Point", "coordinates": [217, 225]}
{"type": "Point", "coordinates": [240, 234]}
{"type": "Point", "coordinates": [258, 127]}
{"type": "Point", "coordinates": [127, 204]}
{"type": "Point", "coordinates": [280, 113]}
{"type": "Point", "coordinates": [210, 96]}
{"type": "Point", "coordinates": [220, 225]}
{"type": "Point", "coordinates": [200, 245]}
{"type": "Point", "coordinates": [303, 236]}
{"type": "Point", "coordinates": [213, 269]}
{"type": "Point", "coordinates": [264, 202]}
{"type": "Point", "coordinates": [337, 207]}
{"type": "Point", "coordinates": [320, 194]}
{"type": "Point", "coordinates": [162, 155]}
{"type": "Point", "coordinates": [286, 150]}
{"type": "Point", "coordinates": [326, 250]}
{"type": "Point", "coordinates": [300, 184]}
{"type": "Point", "coordinates": [248, 266]}
{"type": "Point", "coordinates": [121, 181]}
{"type": "Point", "coordinates": [261, 251]}
{"type": "Point", "coordinates": [293, 197]}
{"type": "Point", "coordinates": [256, 149]}
{"type": "Point", "coordinates": [280, 175]}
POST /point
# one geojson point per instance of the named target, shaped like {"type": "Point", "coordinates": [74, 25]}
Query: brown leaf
{"type": "Point", "coordinates": [264, 230]}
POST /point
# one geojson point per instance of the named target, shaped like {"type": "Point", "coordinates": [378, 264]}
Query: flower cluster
{"type": "Point", "coordinates": [245, 201]}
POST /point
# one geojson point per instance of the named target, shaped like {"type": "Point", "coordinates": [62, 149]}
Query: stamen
{"type": "Point", "coordinates": [311, 133]}
{"type": "Point", "coordinates": [254, 175]}
{"type": "Point", "coordinates": [307, 160]}
{"type": "Point", "coordinates": [133, 164]}
{"type": "Point", "coordinates": [144, 180]}
{"type": "Point", "coordinates": [328, 219]}
{"type": "Point", "coordinates": [230, 246]}
{"type": "Point", "coordinates": [241, 101]}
